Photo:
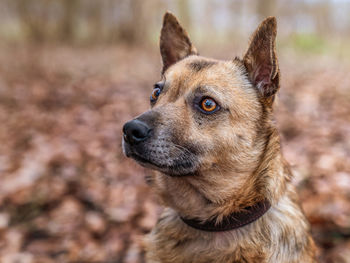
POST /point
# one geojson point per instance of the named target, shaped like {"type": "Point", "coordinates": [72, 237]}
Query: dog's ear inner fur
{"type": "Point", "coordinates": [260, 59]}
{"type": "Point", "coordinates": [174, 42]}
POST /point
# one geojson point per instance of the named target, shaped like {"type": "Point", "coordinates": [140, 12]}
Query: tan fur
{"type": "Point", "coordinates": [239, 159]}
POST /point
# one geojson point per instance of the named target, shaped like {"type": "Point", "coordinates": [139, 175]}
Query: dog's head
{"type": "Point", "coordinates": [206, 114]}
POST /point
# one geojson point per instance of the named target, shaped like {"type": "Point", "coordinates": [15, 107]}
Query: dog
{"type": "Point", "coordinates": [211, 138]}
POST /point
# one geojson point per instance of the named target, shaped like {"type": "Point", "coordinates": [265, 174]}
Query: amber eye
{"type": "Point", "coordinates": [208, 105]}
{"type": "Point", "coordinates": [155, 94]}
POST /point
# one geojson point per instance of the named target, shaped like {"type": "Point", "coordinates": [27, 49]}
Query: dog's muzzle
{"type": "Point", "coordinates": [153, 148]}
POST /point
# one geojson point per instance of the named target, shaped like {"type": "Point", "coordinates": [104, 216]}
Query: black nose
{"type": "Point", "coordinates": [136, 131]}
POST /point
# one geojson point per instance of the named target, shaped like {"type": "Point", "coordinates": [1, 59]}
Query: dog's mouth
{"type": "Point", "coordinates": [177, 169]}
{"type": "Point", "coordinates": [181, 165]}
{"type": "Point", "coordinates": [141, 160]}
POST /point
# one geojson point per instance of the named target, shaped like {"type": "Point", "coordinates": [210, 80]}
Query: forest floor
{"type": "Point", "coordinates": [67, 193]}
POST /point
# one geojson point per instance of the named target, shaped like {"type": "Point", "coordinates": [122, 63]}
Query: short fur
{"type": "Point", "coordinates": [210, 165]}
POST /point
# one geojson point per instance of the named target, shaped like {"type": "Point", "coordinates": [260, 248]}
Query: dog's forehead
{"type": "Point", "coordinates": [192, 66]}
{"type": "Point", "coordinates": [196, 71]}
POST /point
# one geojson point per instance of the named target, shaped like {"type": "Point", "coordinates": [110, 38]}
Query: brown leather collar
{"type": "Point", "coordinates": [234, 220]}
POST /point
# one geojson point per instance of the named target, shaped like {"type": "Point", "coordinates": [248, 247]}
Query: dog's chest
{"type": "Point", "coordinates": [179, 247]}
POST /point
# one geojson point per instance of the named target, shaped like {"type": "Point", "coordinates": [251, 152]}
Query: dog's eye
{"type": "Point", "coordinates": [158, 87]}
{"type": "Point", "coordinates": [155, 94]}
{"type": "Point", "coordinates": [208, 105]}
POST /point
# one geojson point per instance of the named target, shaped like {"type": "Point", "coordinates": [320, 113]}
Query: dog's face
{"type": "Point", "coordinates": [200, 118]}
{"type": "Point", "coordinates": [206, 115]}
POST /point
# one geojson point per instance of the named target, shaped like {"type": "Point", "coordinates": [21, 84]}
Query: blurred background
{"type": "Point", "coordinates": [73, 71]}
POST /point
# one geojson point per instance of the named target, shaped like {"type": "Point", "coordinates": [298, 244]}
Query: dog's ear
{"type": "Point", "coordinates": [174, 42]}
{"type": "Point", "coordinates": [260, 59]}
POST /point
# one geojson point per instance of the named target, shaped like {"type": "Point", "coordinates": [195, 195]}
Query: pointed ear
{"type": "Point", "coordinates": [260, 59]}
{"type": "Point", "coordinates": [174, 42]}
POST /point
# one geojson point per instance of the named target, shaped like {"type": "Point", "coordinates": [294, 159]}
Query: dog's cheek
{"type": "Point", "coordinates": [221, 146]}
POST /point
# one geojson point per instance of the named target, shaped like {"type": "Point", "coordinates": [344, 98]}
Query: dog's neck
{"type": "Point", "coordinates": [233, 221]}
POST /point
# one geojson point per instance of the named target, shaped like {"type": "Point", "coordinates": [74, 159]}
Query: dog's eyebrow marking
{"type": "Point", "coordinates": [211, 92]}
{"type": "Point", "coordinates": [198, 65]}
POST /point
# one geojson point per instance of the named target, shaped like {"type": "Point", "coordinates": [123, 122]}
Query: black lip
{"type": "Point", "coordinates": [140, 159]}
